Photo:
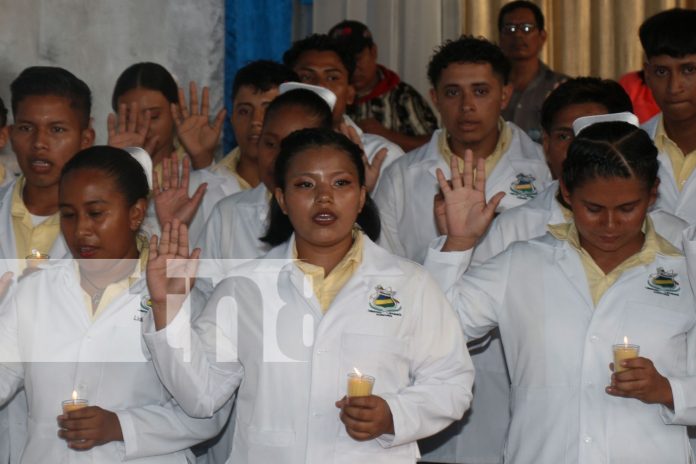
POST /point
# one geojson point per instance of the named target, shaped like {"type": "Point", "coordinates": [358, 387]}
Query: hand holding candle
{"type": "Point", "coordinates": [622, 352]}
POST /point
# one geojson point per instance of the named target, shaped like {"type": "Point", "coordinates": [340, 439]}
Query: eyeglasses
{"type": "Point", "coordinates": [526, 28]}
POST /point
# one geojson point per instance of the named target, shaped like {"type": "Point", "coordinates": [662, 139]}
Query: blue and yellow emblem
{"type": "Point", "coordinates": [664, 282]}
{"type": "Point", "coordinates": [384, 303]}
{"type": "Point", "coordinates": [524, 187]}
{"type": "Point", "coordinates": [145, 307]}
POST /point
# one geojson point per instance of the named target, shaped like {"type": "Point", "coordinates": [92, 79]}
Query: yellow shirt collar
{"type": "Point", "coordinates": [229, 164]}
{"type": "Point", "coordinates": [327, 287]}
{"type": "Point", "coordinates": [27, 236]}
{"type": "Point", "coordinates": [492, 160]}
{"type": "Point", "coordinates": [598, 281]}
{"type": "Point", "coordinates": [683, 165]}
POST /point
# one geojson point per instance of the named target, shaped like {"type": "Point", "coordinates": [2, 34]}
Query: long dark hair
{"type": "Point", "coordinates": [280, 228]}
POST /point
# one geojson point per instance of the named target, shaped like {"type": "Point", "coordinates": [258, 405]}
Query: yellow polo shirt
{"type": "Point", "coordinates": [3, 173]}
{"type": "Point", "coordinates": [327, 287]}
{"type": "Point", "coordinates": [228, 165]}
{"type": "Point", "coordinates": [115, 289]}
{"type": "Point", "coordinates": [600, 282]}
{"type": "Point", "coordinates": [682, 164]}
{"type": "Point", "coordinates": [492, 160]}
{"type": "Point", "coordinates": [27, 236]}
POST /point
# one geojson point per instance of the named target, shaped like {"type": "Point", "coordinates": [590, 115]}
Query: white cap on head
{"type": "Point", "coordinates": [328, 96]}
{"type": "Point", "coordinates": [145, 160]}
{"type": "Point", "coordinates": [585, 121]}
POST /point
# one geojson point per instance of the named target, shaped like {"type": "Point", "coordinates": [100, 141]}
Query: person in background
{"type": "Point", "coordinates": [669, 46]}
{"type": "Point", "coordinates": [522, 35]}
{"type": "Point", "coordinates": [384, 104]}
{"type": "Point", "coordinates": [254, 87]}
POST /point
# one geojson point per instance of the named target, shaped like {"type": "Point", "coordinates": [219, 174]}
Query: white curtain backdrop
{"type": "Point", "coordinates": [405, 31]}
{"type": "Point", "coordinates": [97, 39]}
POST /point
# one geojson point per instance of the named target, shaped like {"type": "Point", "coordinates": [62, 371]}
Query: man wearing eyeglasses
{"type": "Point", "coordinates": [522, 35]}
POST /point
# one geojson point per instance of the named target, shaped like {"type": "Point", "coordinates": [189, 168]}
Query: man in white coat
{"type": "Point", "coordinates": [669, 45]}
{"type": "Point", "coordinates": [470, 89]}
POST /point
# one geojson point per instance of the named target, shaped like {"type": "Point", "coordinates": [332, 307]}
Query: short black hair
{"type": "Point", "coordinates": [520, 4]}
{"type": "Point", "coordinates": [468, 49]}
{"type": "Point", "coordinates": [151, 76]}
{"type": "Point", "coordinates": [54, 81]}
{"type": "Point", "coordinates": [262, 75]}
{"type": "Point", "coordinates": [127, 173]}
{"type": "Point", "coordinates": [280, 228]}
{"type": "Point", "coordinates": [670, 33]}
{"type": "Point", "coordinates": [610, 149]}
{"type": "Point", "coordinates": [320, 43]}
{"type": "Point", "coordinates": [311, 103]}
{"type": "Point", "coordinates": [3, 114]}
{"type": "Point", "coordinates": [605, 92]}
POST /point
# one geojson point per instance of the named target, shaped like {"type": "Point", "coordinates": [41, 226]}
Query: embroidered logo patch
{"type": "Point", "coordinates": [523, 187]}
{"type": "Point", "coordinates": [664, 282]}
{"type": "Point", "coordinates": [384, 303]}
{"type": "Point", "coordinates": [145, 307]}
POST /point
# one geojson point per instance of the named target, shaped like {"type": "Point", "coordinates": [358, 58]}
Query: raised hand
{"type": "Point", "coordinates": [88, 427]}
{"type": "Point", "coordinates": [366, 417]}
{"type": "Point", "coordinates": [373, 169]}
{"type": "Point", "coordinates": [641, 381]}
{"type": "Point", "coordinates": [130, 129]}
{"type": "Point", "coordinates": [164, 278]}
{"type": "Point", "coordinates": [171, 198]}
{"type": "Point", "coordinates": [5, 282]}
{"type": "Point", "coordinates": [195, 131]}
{"type": "Point", "coordinates": [468, 215]}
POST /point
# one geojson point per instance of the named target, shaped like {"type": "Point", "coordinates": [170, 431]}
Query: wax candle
{"type": "Point", "coordinates": [624, 351]}
{"type": "Point", "coordinates": [35, 258]}
{"type": "Point", "coordinates": [74, 404]}
{"type": "Point", "coordinates": [360, 384]}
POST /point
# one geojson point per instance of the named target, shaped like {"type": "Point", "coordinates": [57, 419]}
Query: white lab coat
{"type": "Point", "coordinates": [13, 415]}
{"type": "Point", "coordinates": [530, 221]}
{"type": "Point", "coordinates": [559, 346]}
{"type": "Point", "coordinates": [670, 198]}
{"type": "Point", "coordinates": [293, 360]}
{"type": "Point", "coordinates": [406, 191]}
{"type": "Point", "coordinates": [49, 345]}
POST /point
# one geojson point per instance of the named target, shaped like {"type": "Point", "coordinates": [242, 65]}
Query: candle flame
{"type": "Point", "coordinates": [74, 395]}
{"type": "Point", "coordinates": [35, 253]}
{"type": "Point", "coordinates": [625, 340]}
{"type": "Point", "coordinates": [357, 372]}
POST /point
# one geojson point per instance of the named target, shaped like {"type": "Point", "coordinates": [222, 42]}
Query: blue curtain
{"type": "Point", "coordinates": [254, 29]}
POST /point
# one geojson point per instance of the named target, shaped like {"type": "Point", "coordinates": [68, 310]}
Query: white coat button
{"type": "Point", "coordinates": [594, 338]}
{"type": "Point", "coordinates": [587, 439]}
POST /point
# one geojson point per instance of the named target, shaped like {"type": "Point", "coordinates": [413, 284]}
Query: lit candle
{"type": "Point", "coordinates": [359, 384]}
{"type": "Point", "coordinates": [624, 351]}
{"type": "Point", "coordinates": [74, 403]}
{"type": "Point", "coordinates": [35, 258]}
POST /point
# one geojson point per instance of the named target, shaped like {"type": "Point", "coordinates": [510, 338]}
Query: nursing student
{"type": "Point", "coordinates": [286, 330]}
{"type": "Point", "coordinates": [152, 113]}
{"type": "Point", "coordinates": [75, 326]}
{"type": "Point", "coordinates": [561, 301]}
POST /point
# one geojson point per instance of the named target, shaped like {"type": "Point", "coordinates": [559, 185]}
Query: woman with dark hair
{"type": "Point", "coordinates": [147, 92]}
{"type": "Point", "coordinates": [288, 329]}
{"type": "Point", "coordinates": [74, 326]}
{"type": "Point", "coordinates": [563, 300]}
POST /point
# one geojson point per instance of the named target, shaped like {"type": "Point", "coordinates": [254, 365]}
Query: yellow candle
{"type": "Point", "coordinates": [624, 351]}
{"type": "Point", "coordinates": [360, 384]}
{"type": "Point", "coordinates": [74, 403]}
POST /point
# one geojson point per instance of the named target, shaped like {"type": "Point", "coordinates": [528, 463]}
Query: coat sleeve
{"type": "Point", "coordinates": [211, 254]}
{"type": "Point", "coordinates": [441, 370]}
{"type": "Point", "coordinates": [197, 363]}
{"type": "Point", "coordinates": [446, 266]}
{"type": "Point", "coordinates": [11, 368]}
{"type": "Point", "coordinates": [155, 430]}
{"type": "Point", "coordinates": [389, 200]}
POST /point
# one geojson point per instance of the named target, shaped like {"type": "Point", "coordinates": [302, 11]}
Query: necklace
{"type": "Point", "coordinates": [97, 295]}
